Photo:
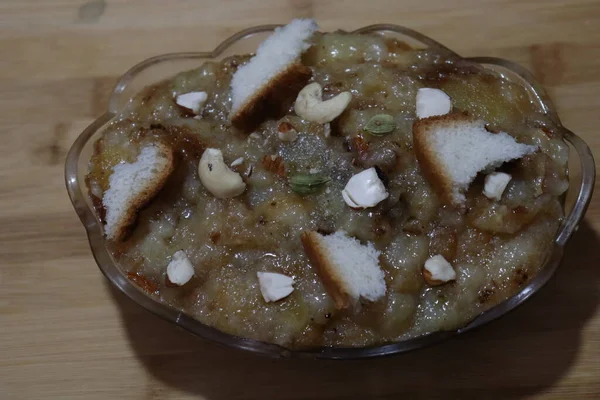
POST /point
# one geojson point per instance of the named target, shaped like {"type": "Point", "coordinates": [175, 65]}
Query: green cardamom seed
{"type": "Point", "coordinates": [380, 124]}
{"type": "Point", "coordinates": [307, 183]}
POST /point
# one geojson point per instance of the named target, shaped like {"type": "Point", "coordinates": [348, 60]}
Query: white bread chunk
{"type": "Point", "coordinates": [193, 101]}
{"type": "Point", "coordinates": [273, 56]}
{"type": "Point", "coordinates": [274, 286]}
{"type": "Point", "coordinates": [431, 102]}
{"type": "Point", "coordinates": [364, 190]}
{"type": "Point", "coordinates": [495, 184]}
{"type": "Point", "coordinates": [131, 186]}
{"type": "Point", "coordinates": [272, 75]}
{"type": "Point", "coordinates": [180, 270]}
{"type": "Point", "coordinates": [452, 149]}
{"type": "Point", "coordinates": [348, 269]}
{"type": "Point", "coordinates": [438, 270]}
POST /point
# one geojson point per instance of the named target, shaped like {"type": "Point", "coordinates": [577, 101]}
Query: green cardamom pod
{"type": "Point", "coordinates": [380, 124]}
{"type": "Point", "coordinates": [307, 183]}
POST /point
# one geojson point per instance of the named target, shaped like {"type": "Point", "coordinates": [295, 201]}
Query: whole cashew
{"type": "Point", "coordinates": [216, 176]}
{"type": "Point", "coordinates": [310, 106]}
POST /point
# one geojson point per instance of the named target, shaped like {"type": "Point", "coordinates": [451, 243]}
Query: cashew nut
{"type": "Point", "coordinates": [216, 176]}
{"type": "Point", "coordinates": [192, 101]}
{"type": "Point", "coordinates": [310, 106]}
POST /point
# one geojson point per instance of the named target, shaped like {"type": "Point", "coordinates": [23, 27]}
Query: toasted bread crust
{"type": "Point", "coordinates": [150, 190]}
{"type": "Point", "coordinates": [434, 173]}
{"type": "Point", "coordinates": [274, 99]}
{"type": "Point", "coordinates": [326, 271]}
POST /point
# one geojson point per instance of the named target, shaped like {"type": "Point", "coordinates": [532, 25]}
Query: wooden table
{"type": "Point", "coordinates": [65, 334]}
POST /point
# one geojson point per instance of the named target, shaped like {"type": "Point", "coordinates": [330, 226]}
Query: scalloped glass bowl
{"type": "Point", "coordinates": [581, 175]}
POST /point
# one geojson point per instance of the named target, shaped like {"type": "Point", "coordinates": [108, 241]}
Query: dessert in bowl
{"type": "Point", "coordinates": [335, 194]}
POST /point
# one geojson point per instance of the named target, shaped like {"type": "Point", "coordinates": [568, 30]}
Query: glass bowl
{"type": "Point", "coordinates": [581, 175]}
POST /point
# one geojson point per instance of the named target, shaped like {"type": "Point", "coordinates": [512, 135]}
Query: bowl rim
{"type": "Point", "coordinates": [117, 277]}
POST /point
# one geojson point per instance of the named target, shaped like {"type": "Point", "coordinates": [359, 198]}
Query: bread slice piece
{"type": "Point", "coordinates": [348, 269]}
{"type": "Point", "coordinates": [452, 149]}
{"type": "Point", "coordinates": [271, 80]}
{"type": "Point", "coordinates": [133, 185]}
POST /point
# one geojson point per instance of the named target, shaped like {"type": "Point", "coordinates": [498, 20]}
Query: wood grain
{"type": "Point", "coordinates": [65, 334]}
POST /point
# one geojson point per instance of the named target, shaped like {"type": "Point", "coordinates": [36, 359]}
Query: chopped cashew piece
{"type": "Point", "coordinates": [432, 102]}
{"type": "Point", "coordinates": [249, 171]}
{"type": "Point", "coordinates": [237, 161]}
{"type": "Point", "coordinates": [286, 132]}
{"type": "Point", "coordinates": [288, 137]}
{"type": "Point", "coordinates": [495, 184]}
{"type": "Point", "coordinates": [364, 190]}
{"type": "Point", "coordinates": [349, 200]}
{"type": "Point", "coordinates": [180, 270]}
{"type": "Point", "coordinates": [274, 286]}
{"type": "Point", "coordinates": [438, 271]}
{"type": "Point", "coordinates": [216, 176]}
{"type": "Point", "coordinates": [311, 107]}
{"type": "Point", "coordinates": [192, 101]}
{"type": "Point", "coordinates": [253, 136]}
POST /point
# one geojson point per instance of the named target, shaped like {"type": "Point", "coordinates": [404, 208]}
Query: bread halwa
{"type": "Point", "coordinates": [313, 229]}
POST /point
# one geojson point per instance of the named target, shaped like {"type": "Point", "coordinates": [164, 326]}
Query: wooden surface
{"type": "Point", "coordinates": [65, 334]}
